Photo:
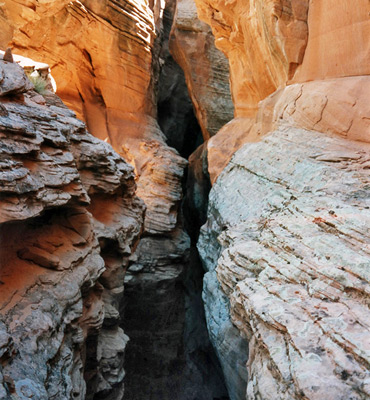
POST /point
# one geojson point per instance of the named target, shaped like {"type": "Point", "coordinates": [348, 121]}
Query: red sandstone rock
{"type": "Point", "coordinates": [264, 42]}
{"type": "Point", "coordinates": [53, 251]}
{"type": "Point", "coordinates": [338, 43]}
{"type": "Point", "coordinates": [338, 105]}
{"type": "Point", "coordinates": [103, 69]}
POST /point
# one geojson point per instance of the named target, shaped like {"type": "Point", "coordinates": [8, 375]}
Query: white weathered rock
{"type": "Point", "coordinates": [291, 216]}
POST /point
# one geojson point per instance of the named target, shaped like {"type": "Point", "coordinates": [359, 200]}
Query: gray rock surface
{"type": "Point", "coordinates": [288, 238]}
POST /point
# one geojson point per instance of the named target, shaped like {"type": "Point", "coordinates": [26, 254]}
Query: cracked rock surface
{"type": "Point", "coordinates": [287, 243]}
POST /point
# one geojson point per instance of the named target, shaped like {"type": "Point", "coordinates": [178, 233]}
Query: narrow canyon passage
{"type": "Point", "coordinates": [184, 200]}
{"type": "Point", "coordinates": [169, 355]}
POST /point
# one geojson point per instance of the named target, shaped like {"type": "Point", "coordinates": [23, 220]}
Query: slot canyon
{"type": "Point", "coordinates": [185, 200]}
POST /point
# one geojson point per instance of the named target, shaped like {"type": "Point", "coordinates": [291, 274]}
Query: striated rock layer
{"type": "Point", "coordinates": [206, 68]}
{"type": "Point", "coordinates": [287, 238]}
{"type": "Point", "coordinates": [69, 221]}
{"type": "Point", "coordinates": [106, 60]}
{"type": "Point", "coordinates": [100, 54]}
{"type": "Point", "coordinates": [264, 41]}
{"type": "Point", "coordinates": [286, 243]}
{"type": "Point", "coordinates": [279, 72]}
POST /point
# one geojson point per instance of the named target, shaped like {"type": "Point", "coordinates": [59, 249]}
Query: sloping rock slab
{"type": "Point", "coordinates": [288, 235]}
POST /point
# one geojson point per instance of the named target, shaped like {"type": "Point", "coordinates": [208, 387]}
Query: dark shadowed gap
{"type": "Point", "coordinates": [170, 356]}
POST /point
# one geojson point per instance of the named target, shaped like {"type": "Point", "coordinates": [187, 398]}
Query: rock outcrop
{"type": "Point", "coordinates": [108, 69]}
{"type": "Point", "coordinates": [286, 240]}
{"type": "Point", "coordinates": [264, 42]}
{"type": "Point", "coordinates": [287, 237]}
{"type": "Point", "coordinates": [69, 222]}
{"type": "Point", "coordinates": [274, 78]}
{"type": "Point", "coordinates": [292, 280]}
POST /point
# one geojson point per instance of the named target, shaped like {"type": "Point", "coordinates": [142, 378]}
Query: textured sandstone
{"type": "Point", "coordinates": [100, 54]}
{"type": "Point", "coordinates": [223, 145]}
{"type": "Point", "coordinates": [338, 44]}
{"type": "Point", "coordinates": [160, 170]}
{"type": "Point", "coordinates": [266, 46]}
{"type": "Point", "coordinates": [206, 68]}
{"type": "Point", "coordinates": [339, 106]}
{"type": "Point", "coordinates": [175, 109]}
{"type": "Point", "coordinates": [292, 222]}
{"type": "Point", "coordinates": [59, 334]}
{"type": "Point", "coordinates": [263, 40]}
{"type": "Point", "coordinates": [9, 85]}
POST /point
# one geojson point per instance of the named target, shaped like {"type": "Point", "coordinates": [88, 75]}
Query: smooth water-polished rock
{"type": "Point", "coordinates": [264, 42]}
{"type": "Point", "coordinates": [100, 54]}
{"type": "Point", "coordinates": [288, 233]}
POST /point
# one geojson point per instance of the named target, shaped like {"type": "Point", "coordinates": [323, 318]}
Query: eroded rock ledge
{"type": "Point", "coordinates": [70, 219]}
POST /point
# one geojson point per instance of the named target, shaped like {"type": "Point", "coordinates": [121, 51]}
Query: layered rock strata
{"type": "Point", "coordinates": [264, 42]}
{"type": "Point", "coordinates": [287, 238]}
{"type": "Point", "coordinates": [108, 70]}
{"type": "Point", "coordinates": [70, 219]}
{"type": "Point", "coordinates": [100, 54]}
{"type": "Point", "coordinates": [279, 72]}
{"type": "Point", "coordinates": [206, 68]}
{"type": "Point", "coordinates": [290, 277]}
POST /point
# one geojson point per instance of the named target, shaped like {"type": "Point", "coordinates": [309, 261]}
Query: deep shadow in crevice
{"type": "Point", "coordinates": [170, 356]}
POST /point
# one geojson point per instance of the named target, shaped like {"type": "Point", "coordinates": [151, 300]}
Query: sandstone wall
{"type": "Point", "coordinates": [206, 68]}
{"type": "Point", "coordinates": [69, 222]}
{"type": "Point", "coordinates": [106, 59]}
{"type": "Point", "coordinates": [263, 40]}
{"type": "Point", "coordinates": [337, 44]}
{"type": "Point", "coordinates": [286, 239]}
{"type": "Point", "coordinates": [272, 57]}
{"type": "Point", "coordinates": [100, 54]}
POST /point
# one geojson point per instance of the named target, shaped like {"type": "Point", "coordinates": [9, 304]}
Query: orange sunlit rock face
{"type": "Point", "coordinates": [264, 41]}
{"type": "Point", "coordinates": [99, 54]}
{"type": "Point", "coordinates": [297, 62]}
{"type": "Point", "coordinates": [338, 43]}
